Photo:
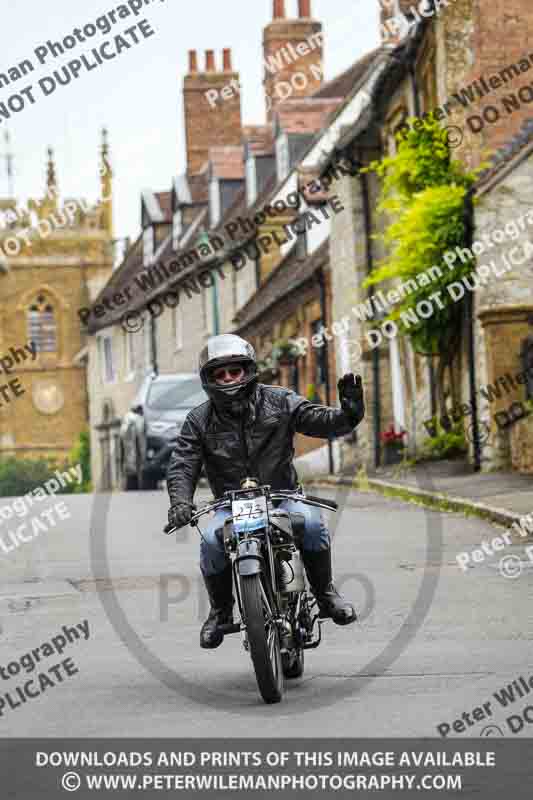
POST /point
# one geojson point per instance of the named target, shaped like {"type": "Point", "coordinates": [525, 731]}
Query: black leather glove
{"type": "Point", "coordinates": [352, 397]}
{"type": "Point", "coordinates": [180, 514]}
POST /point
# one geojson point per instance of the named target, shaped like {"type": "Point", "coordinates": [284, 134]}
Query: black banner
{"type": "Point", "coordinates": [155, 768]}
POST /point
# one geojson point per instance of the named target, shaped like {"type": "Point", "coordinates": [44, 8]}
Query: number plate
{"type": "Point", "coordinates": [249, 515]}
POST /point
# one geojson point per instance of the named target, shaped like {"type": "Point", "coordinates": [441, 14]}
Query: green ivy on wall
{"type": "Point", "coordinates": [423, 194]}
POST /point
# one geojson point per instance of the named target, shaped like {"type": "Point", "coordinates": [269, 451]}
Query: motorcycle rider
{"type": "Point", "coordinates": [246, 429]}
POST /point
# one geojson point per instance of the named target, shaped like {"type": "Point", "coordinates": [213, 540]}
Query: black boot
{"type": "Point", "coordinates": [219, 589]}
{"type": "Point", "coordinates": [330, 602]}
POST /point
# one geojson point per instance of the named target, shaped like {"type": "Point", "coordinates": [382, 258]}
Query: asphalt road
{"type": "Point", "coordinates": [433, 642]}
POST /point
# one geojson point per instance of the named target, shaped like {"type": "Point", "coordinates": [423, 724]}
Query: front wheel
{"type": "Point", "coordinates": [263, 639]}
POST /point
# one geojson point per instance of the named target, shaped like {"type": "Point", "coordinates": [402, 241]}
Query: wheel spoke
{"type": "Point", "coordinates": [272, 649]}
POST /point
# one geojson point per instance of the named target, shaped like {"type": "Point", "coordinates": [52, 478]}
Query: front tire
{"type": "Point", "coordinates": [263, 639]}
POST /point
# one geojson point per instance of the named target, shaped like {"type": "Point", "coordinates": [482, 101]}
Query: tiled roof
{"type": "Point", "coordinates": [342, 85]}
{"type": "Point", "coordinates": [506, 154]}
{"type": "Point", "coordinates": [302, 116]}
{"type": "Point", "coordinates": [288, 276]}
{"type": "Point", "coordinates": [121, 278]}
{"type": "Point", "coordinates": [305, 115]}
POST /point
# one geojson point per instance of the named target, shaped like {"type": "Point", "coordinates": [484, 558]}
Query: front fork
{"type": "Point", "coordinates": [250, 561]}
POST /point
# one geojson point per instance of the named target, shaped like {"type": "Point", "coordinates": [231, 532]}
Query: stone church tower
{"type": "Point", "coordinates": [55, 256]}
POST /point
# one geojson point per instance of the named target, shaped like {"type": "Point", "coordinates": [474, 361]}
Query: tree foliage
{"type": "Point", "coordinates": [18, 476]}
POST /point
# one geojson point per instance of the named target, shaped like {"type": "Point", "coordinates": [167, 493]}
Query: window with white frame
{"type": "Point", "coordinates": [251, 181]}
{"type": "Point", "coordinates": [148, 245]}
{"type": "Point", "coordinates": [282, 156]}
{"type": "Point", "coordinates": [178, 328]}
{"type": "Point", "coordinates": [177, 228]}
{"type": "Point", "coordinates": [107, 364]}
{"type": "Point", "coordinates": [214, 202]}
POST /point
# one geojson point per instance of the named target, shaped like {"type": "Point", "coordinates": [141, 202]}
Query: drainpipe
{"type": "Point", "coordinates": [153, 344]}
{"type": "Point", "coordinates": [375, 352]}
{"type": "Point", "coordinates": [471, 348]}
{"type": "Point", "coordinates": [216, 316]}
{"type": "Point", "coordinates": [418, 112]}
{"type": "Point", "coordinates": [323, 314]}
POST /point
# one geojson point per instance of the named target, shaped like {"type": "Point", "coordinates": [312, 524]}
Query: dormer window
{"type": "Point", "coordinates": [177, 228]}
{"type": "Point", "coordinates": [251, 181]}
{"type": "Point", "coordinates": [214, 202]}
{"type": "Point", "coordinates": [148, 246]}
{"type": "Point", "coordinates": [282, 156]}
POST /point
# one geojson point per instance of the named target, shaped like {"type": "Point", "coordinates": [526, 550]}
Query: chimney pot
{"type": "Point", "coordinates": [304, 9]}
{"type": "Point", "coordinates": [193, 61]}
{"type": "Point", "coordinates": [226, 55]}
{"type": "Point", "coordinates": [210, 61]}
{"type": "Point", "coordinates": [279, 9]}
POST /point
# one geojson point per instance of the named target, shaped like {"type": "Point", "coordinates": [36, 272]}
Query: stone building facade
{"type": "Point", "coordinates": [293, 291]}
{"type": "Point", "coordinates": [58, 254]}
{"type": "Point", "coordinates": [504, 306]}
{"type": "Point", "coordinates": [432, 67]}
{"type": "Point", "coordinates": [233, 173]}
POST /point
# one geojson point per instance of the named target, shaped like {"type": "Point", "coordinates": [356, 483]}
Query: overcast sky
{"type": "Point", "coordinates": [138, 95]}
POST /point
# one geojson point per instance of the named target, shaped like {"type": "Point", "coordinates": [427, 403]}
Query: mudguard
{"type": "Point", "coordinates": [249, 559]}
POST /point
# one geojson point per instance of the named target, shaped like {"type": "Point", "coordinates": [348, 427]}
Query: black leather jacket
{"type": "Point", "coordinates": [257, 444]}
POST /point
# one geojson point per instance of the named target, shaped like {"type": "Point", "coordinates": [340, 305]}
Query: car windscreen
{"type": "Point", "coordinates": [168, 395]}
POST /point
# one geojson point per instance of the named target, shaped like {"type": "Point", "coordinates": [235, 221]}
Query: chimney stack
{"type": "Point", "coordinates": [279, 9]}
{"type": "Point", "coordinates": [211, 119]}
{"type": "Point", "coordinates": [304, 9]}
{"type": "Point", "coordinates": [293, 56]}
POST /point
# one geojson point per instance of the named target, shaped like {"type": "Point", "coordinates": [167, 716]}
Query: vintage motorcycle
{"type": "Point", "coordinates": [279, 619]}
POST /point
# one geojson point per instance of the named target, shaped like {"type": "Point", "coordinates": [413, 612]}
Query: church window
{"type": "Point", "coordinates": [42, 326]}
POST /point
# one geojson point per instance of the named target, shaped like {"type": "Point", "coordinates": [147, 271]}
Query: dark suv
{"type": "Point", "coordinates": [150, 429]}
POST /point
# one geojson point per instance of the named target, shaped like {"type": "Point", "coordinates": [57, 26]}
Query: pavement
{"type": "Point", "coordinates": [502, 497]}
{"type": "Point", "coordinates": [433, 642]}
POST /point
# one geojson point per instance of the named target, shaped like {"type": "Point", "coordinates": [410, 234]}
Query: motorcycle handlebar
{"type": "Point", "coordinates": [168, 529]}
{"type": "Point", "coordinates": [331, 503]}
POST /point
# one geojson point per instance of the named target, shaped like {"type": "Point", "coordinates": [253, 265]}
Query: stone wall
{"type": "Point", "coordinates": [522, 446]}
{"type": "Point", "coordinates": [504, 306]}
